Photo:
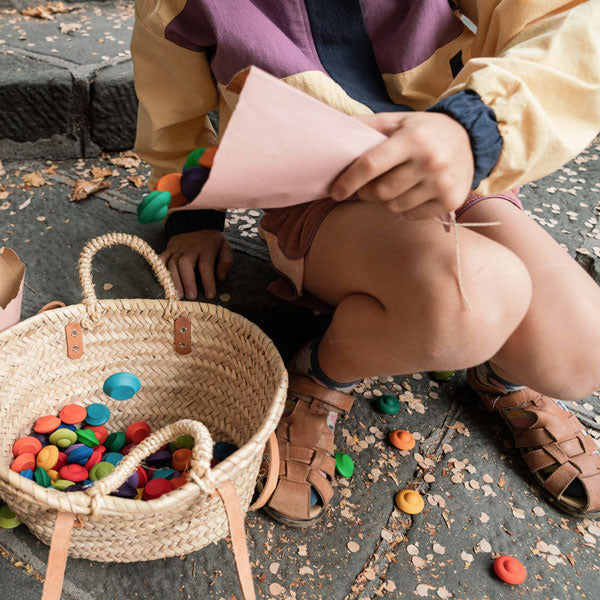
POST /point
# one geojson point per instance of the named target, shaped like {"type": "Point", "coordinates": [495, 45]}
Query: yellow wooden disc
{"type": "Point", "coordinates": [410, 502]}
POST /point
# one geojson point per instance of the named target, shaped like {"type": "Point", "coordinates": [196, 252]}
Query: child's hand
{"type": "Point", "coordinates": [205, 248]}
{"type": "Point", "coordinates": [424, 169]}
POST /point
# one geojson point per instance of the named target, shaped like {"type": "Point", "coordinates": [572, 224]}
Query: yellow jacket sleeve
{"type": "Point", "coordinates": [175, 90]}
{"type": "Point", "coordinates": [537, 65]}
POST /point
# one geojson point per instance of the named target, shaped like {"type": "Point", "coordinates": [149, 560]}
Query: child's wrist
{"type": "Point", "coordinates": [187, 221]}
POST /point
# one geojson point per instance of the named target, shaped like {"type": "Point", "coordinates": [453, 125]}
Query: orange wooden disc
{"type": "Point", "coordinates": [27, 445]}
{"type": "Point", "coordinates": [181, 459]}
{"type": "Point", "coordinates": [73, 414]}
{"type": "Point", "coordinates": [22, 462]}
{"type": "Point", "coordinates": [403, 440]}
{"type": "Point", "coordinates": [208, 157]}
{"type": "Point", "coordinates": [172, 183]}
{"type": "Point", "coordinates": [46, 424]}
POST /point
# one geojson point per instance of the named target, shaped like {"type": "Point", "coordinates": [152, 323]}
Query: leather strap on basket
{"type": "Point", "coordinates": [51, 306]}
{"type": "Point", "coordinates": [57, 560]}
{"type": "Point", "coordinates": [272, 475]}
{"type": "Point", "coordinates": [235, 519]}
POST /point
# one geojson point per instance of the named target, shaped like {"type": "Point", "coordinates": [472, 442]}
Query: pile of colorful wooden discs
{"type": "Point", "coordinates": [177, 189]}
{"type": "Point", "coordinates": [74, 449]}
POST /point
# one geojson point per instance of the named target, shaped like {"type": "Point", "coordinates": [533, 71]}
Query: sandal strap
{"type": "Point", "coordinates": [306, 445]}
{"type": "Point", "coordinates": [556, 440]}
{"type": "Point", "coordinates": [306, 387]}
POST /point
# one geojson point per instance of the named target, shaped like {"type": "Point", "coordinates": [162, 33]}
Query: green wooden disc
{"type": "Point", "coordinates": [441, 375]}
{"type": "Point", "coordinates": [115, 441]}
{"type": "Point", "coordinates": [387, 404]}
{"type": "Point", "coordinates": [42, 478]}
{"type": "Point", "coordinates": [193, 157]}
{"type": "Point", "coordinates": [102, 469]}
{"type": "Point", "coordinates": [62, 484]}
{"type": "Point", "coordinates": [87, 437]}
{"type": "Point", "coordinates": [8, 519]}
{"type": "Point", "coordinates": [63, 437]}
{"type": "Point", "coordinates": [344, 465]}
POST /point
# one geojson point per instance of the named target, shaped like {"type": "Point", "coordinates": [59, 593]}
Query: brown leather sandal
{"type": "Point", "coordinates": [306, 452]}
{"type": "Point", "coordinates": [554, 449]}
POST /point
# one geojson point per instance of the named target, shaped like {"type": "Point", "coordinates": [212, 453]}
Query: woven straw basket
{"type": "Point", "coordinates": [205, 371]}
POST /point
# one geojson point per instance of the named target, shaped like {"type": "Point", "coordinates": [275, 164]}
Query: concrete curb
{"type": "Point", "coordinates": [58, 110]}
{"type": "Point", "coordinates": [64, 105]}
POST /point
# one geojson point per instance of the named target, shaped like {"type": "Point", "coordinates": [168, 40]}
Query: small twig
{"type": "Point", "coordinates": [30, 288]}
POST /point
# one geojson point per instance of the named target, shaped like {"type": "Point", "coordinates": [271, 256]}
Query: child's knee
{"type": "Point", "coordinates": [497, 295]}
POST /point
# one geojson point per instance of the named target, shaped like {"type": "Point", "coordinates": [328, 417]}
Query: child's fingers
{"type": "Point", "coordinates": [224, 261]}
{"type": "Point", "coordinates": [392, 184]}
{"type": "Point", "coordinates": [411, 199]}
{"type": "Point", "coordinates": [369, 166]}
{"type": "Point", "coordinates": [428, 210]}
{"type": "Point", "coordinates": [166, 255]}
{"type": "Point", "coordinates": [387, 123]}
{"type": "Point", "coordinates": [206, 266]}
{"type": "Point", "coordinates": [186, 264]}
{"type": "Point", "coordinates": [174, 271]}
{"type": "Point", "coordinates": [365, 168]}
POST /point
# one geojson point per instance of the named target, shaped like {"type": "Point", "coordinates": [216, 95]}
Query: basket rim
{"type": "Point", "coordinates": [81, 502]}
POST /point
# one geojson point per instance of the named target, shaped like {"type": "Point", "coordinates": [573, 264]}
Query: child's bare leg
{"type": "Point", "coordinates": [394, 283]}
{"type": "Point", "coordinates": [556, 347]}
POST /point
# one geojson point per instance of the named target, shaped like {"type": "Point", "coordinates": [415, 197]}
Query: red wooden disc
{"type": "Point", "coordinates": [510, 570]}
{"type": "Point", "coordinates": [155, 488]}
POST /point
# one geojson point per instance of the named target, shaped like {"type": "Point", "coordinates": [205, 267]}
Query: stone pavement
{"type": "Point", "coordinates": [478, 503]}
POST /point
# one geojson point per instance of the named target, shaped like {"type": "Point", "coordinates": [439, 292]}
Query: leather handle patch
{"type": "Point", "coordinates": [183, 336]}
{"type": "Point", "coordinates": [74, 340]}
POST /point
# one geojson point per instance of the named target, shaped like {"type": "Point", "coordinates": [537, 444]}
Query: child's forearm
{"type": "Point", "coordinates": [537, 66]}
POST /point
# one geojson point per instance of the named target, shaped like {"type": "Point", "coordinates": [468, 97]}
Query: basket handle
{"type": "Point", "coordinates": [200, 466]}
{"type": "Point", "coordinates": [135, 243]}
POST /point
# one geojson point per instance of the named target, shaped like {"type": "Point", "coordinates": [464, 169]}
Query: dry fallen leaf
{"type": "Point", "coordinates": [107, 286]}
{"type": "Point", "coordinates": [83, 188]}
{"type": "Point", "coordinates": [5, 206]}
{"type": "Point", "coordinates": [35, 179]}
{"type": "Point", "coordinates": [98, 173]}
{"type": "Point", "coordinates": [45, 11]}
{"type": "Point", "coordinates": [275, 589]}
{"type": "Point", "coordinates": [423, 589]}
{"type": "Point", "coordinates": [69, 27]}
{"type": "Point", "coordinates": [274, 568]}
{"type": "Point", "coordinates": [353, 546]}
{"type": "Point", "coordinates": [126, 160]}
{"type": "Point", "coordinates": [2, 171]}
{"type": "Point", "coordinates": [138, 180]}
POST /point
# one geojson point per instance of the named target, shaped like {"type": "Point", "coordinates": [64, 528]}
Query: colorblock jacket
{"type": "Point", "coordinates": [526, 85]}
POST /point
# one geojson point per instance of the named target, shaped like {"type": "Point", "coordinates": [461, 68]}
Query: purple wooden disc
{"type": "Point", "coordinates": [162, 458]}
{"type": "Point", "coordinates": [124, 491]}
{"type": "Point", "coordinates": [193, 180]}
{"type": "Point", "coordinates": [42, 437]}
{"type": "Point", "coordinates": [133, 480]}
